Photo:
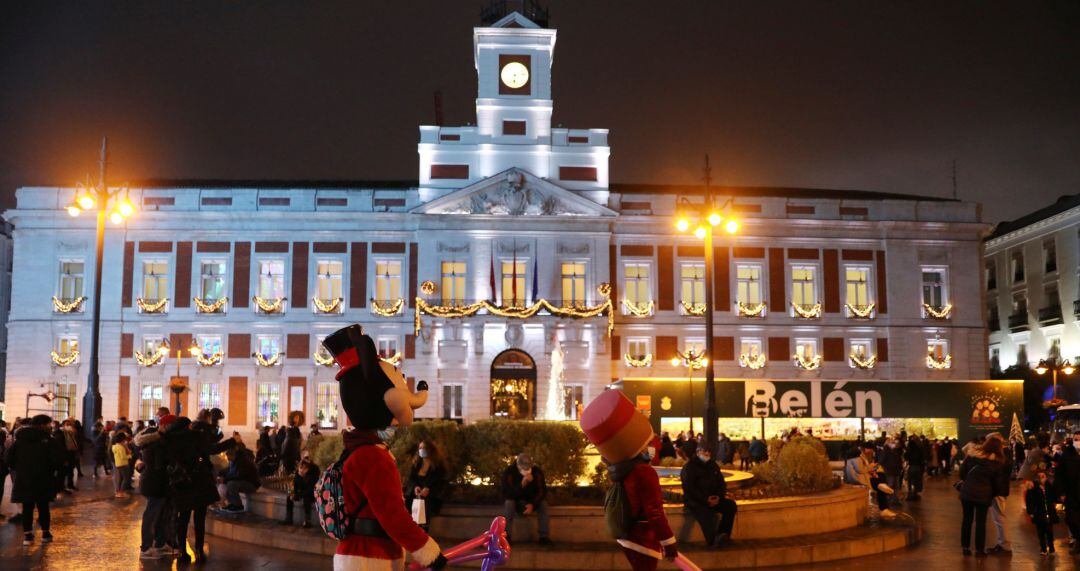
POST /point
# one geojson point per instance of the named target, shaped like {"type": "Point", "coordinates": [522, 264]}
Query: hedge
{"type": "Point", "coordinates": [798, 465]}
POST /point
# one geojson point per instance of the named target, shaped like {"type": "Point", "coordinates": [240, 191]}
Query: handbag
{"type": "Point", "coordinates": [419, 511]}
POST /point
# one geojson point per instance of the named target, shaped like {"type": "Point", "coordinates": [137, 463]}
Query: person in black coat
{"type": "Point", "coordinates": [915, 455]}
{"type": "Point", "coordinates": [290, 446]}
{"type": "Point", "coordinates": [101, 449]}
{"type": "Point", "coordinates": [705, 496]}
{"type": "Point", "coordinates": [159, 517]}
{"type": "Point", "coordinates": [241, 477]}
{"type": "Point", "coordinates": [303, 490]}
{"type": "Point", "coordinates": [525, 492]}
{"type": "Point", "coordinates": [191, 479]}
{"type": "Point", "coordinates": [35, 459]}
{"type": "Point", "coordinates": [981, 476]}
{"type": "Point", "coordinates": [427, 481]}
{"type": "Point", "coordinates": [1067, 482]}
{"type": "Point", "coordinates": [1039, 501]}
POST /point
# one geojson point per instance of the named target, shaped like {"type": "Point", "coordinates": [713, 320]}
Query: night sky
{"type": "Point", "coordinates": [855, 95]}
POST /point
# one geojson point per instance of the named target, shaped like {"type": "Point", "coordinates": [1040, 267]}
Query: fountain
{"type": "Point", "coordinates": [556, 408]}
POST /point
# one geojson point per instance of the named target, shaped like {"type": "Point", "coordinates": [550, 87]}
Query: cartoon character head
{"type": "Point", "coordinates": [373, 392]}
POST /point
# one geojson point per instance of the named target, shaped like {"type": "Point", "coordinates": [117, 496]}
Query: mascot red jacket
{"type": "Point", "coordinates": [375, 396]}
{"type": "Point", "coordinates": [621, 434]}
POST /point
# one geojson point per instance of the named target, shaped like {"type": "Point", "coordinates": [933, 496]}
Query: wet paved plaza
{"type": "Point", "coordinates": [95, 531]}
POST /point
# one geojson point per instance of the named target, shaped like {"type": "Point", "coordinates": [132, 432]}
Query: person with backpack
{"type": "Point", "coordinates": [634, 504]}
{"type": "Point", "coordinates": [980, 477]}
{"type": "Point", "coordinates": [154, 484]}
{"type": "Point", "coordinates": [191, 480]}
{"type": "Point", "coordinates": [705, 496]}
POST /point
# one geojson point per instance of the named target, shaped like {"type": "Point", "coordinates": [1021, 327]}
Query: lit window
{"type": "Point", "coordinates": [748, 284]}
{"type": "Point", "coordinates": [453, 283]}
{"type": "Point", "coordinates": [209, 396]}
{"type": "Point", "coordinates": [693, 284]}
{"type": "Point", "coordinates": [387, 346]}
{"type": "Point", "coordinates": [938, 352]}
{"type": "Point", "coordinates": [858, 286]}
{"type": "Point", "coordinates": [934, 287]}
{"type": "Point", "coordinates": [71, 280]}
{"type": "Point", "coordinates": [453, 401]}
{"type": "Point", "coordinates": [573, 284]}
{"type": "Point", "coordinates": [213, 280]}
{"type": "Point", "coordinates": [387, 281]}
{"type": "Point", "coordinates": [860, 349]}
{"type": "Point", "coordinates": [328, 280]}
{"type": "Point", "coordinates": [804, 286]}
{"type": "Point", "coordinates": [695, 346]}
{"type": "Point", "coordinates": [750, 351]}
{"type": "Point", "coordinates": [513, 283]}
{"type": "Point", "coordinates": [268, 398]}
{"type": "Point", "coordinates": [806, 348]}
{"type": "Point", "coordinates": [575, 396]}
{"type": "Point", "coordinates": [67, 345]}
{"type": "Point", "coordinates": [63, 406]}
{"type": "Point", "coordinates": [637, 348]}
{"type": "Point", "coordinates": [269, 346]}
{"type": "Point", "coordinates": [152, 344]}
{"type": "Point", "coordinates": [326, 407]}
{"type": "Point", "coordinates": [271, 279]}
{"type": "Point", "coordinates": [638, 289]}
{"type": "Point", "coordinates": [151, 398]}
{"type": "Point", "coordinates": [155, 281]}
{"type": "Point", "coordinates": [209, 344]}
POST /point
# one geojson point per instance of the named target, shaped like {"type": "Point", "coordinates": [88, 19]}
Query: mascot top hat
{"type": "Point", "coordinates": [615, 427]}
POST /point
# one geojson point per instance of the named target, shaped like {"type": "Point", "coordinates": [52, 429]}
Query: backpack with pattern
{"type": "Point", "coordinates": [330, 501]}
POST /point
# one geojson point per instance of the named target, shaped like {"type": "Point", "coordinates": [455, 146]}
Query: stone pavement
{"type": "Point", "coordinates": [95, 531]}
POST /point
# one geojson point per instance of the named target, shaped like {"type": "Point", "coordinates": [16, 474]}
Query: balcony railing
{"type": "Point", "coordinates": [1050, 315]}
{"type": "Point", "coordinates": [1018, 322]}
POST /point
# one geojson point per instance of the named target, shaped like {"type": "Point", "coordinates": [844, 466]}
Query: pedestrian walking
{"type": "Point", "coordinates": [997, 508]}
{"type": "Point", "coordinates": [980, 477]}
{"type": "Point", "coordinates": [916, 462]}
{"type": "Point", "coordinates": [1039, 500]}
{"type": "Point", "coordinates": [35, 461]}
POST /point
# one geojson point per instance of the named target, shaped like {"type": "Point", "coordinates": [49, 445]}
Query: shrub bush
{"type": "Point", "coordinates": [799, 465]}
{"type": "Point", "coordinates": [327, 450]}
{"type": "Point", "coordinates": [557, 447]}
{"type": "Point", "coordinates": [447, 435]}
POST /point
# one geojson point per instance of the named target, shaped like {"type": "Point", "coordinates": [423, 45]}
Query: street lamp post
{"type": "Point", "coordinates": [91, 197]}
{"type": "Point", "coordinates": [1066, 368]}
{"type": "Point", "coordinates": [692, 361]}
{"type": "Point", "coordinates": [708, 218]}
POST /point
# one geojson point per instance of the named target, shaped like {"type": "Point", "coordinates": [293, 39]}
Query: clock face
{"type": "Point", "coordinates": [514, 75]}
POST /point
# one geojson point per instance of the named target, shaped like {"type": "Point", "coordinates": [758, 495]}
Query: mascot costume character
{"type": "Point", "coordinates": [375, 396]}
{"type": "Point", "coordinates": [622, 434]}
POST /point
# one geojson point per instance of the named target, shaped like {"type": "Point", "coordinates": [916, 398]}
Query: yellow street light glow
{"type": "Point", "coordinates": [699, 233]}
{"type": "Point", "coordinates": [74, 210]}
{"type": "Point", "coordinates": [86, 202]}
{"type": "Point", "coordinates": [682, 225]}
{"type": "Point", "coordinates": [163, 350]}
{"type": "Point", "coordinates": [195, 350]}
{"type": "Point", "coordinates": [715, 219]}
{"type": "Point", "coordinates": [1068, 369]}
{"type": "Point", "coordinates": [1041, 369]}
{"type": "Point", "coordinates": [674, 361]}
{"type": "Point", "coordinates": [126, 208]}
{"type": "Point", "coordinates": [704, 362]}
{"type": "Point", "coordinates": [732, 226]}
{"type": "Point", "coordinates": [115, 217]}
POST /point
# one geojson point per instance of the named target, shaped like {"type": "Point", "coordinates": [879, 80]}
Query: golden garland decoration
{"type": "Point", "coordinates": [384, 311]}
{"type": "Point", "coordinates": [454, 312]}
{"type": "Point", "coordinates": [938, 312]}
{"type": "Point", "coordinates": [320, 360]}
{"type": "Point", "coordinates": [932, 362]}
{"type": "Point", "coordinates": [427, 287]}
{"type": "Point", "coordinates": [155, 307]}
{"type": "Point", "coordinates": [267, 306]}
{"type": "Point", "coordinates": [695, 309]}
{"type": "Point", "coordinates": [61, 307]}
{"type": "Point", "coordinates": [604, 289]}
{"type": "Point", "coordinates": [808, 364]}
{"type": "Point", "coordinates": [394, 359]}
{"type": "Point", "coordinates": [210, 361]}
{"type": "Point", "coordinates": [645, 361]}
{"type": "Point", "coordinates": [66, 359]}
{"type": "Point", "coordinates": [753, 362]}
{"type": "Point", "coordinates": [262, 361]}
{"type": "Point", "coordinates": [864, 364]}
{"type": "Point", "coordinates": [807, 312]}
{"type": "Point", "coordinates": [750, 310]}
{"type": "Point", "coordinates": [203, 307]}
{"type": "Point", "coordinates": [155, 358]}
{"type": "Point", "coordinates": [324, 307]}
{"type": "Point", "coordinates": [865, 313]}
{"type": "Point", "coordinates": [638, 309]}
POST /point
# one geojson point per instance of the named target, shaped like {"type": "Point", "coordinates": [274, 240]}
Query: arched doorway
{"type": "Point", "coordinates": [513, 385]}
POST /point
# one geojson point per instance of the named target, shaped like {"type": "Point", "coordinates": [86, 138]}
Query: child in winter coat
{"type": "Point", "coordinates": [1040, 499]}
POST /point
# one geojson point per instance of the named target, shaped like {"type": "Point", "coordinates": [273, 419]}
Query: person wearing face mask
{"type": "Point", "coordinates": [524, 492]}
{"type": "Point", "coordinates": [427, 481]}
{"type": "Point", "coordinates": [705, 496]}
{"type": "Point", "coordinates": [1067, 484]}
{"type": "Point", "coordinates": [891, 460]}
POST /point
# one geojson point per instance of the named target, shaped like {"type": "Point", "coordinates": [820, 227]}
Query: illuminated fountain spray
{"type": "Point", "coordinates": [555, 409]}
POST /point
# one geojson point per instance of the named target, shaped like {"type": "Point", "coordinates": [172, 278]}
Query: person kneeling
{"type": "Point", "coordinates": [705, 496]}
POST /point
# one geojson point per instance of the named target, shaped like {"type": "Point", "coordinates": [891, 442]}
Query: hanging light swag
{"type": "Point", "coordinates": [203, 359]}
{"type": "Point", "coordinates": [152, 306]}
{"type": "Point", "coordinates": [695, 309]}
{"type": "Point", "coordinates": [861, 311]}
{"type": "Point", "coordinates": [66, 359]}
{"type": "Point", "coordinates": [753, 362]}
{"type": "Point", "coordinates": [932, 362]}
{"type": "Point", "coordinates": [645, 361]}
{"type": "Point", "coordinates": [638, 309]}
{"type": "Point", "coordinates": [938, 312]}
{"type": "Point", "coordinates": [455, 312]}
{"type": "Point", "coordinates": [394, 359]}
{"type": "Point", "coordinates": [72, 306]}
{"type": "Point", "coordinates": [810, 364]}
{"type": "Point", "coordinates": [262, 361]}
{"type": "Point", "coordinates": [751, 309]}
{"type": "Point", "coordinates": [269, 306]}
{"type": "Point", "coordinates": [155, 358]}
{"type": "Point", "coordinates": [321, 360]}
{"type": "Point", "coordinates": [383, 310]}
{"type": "Point", "coordinates": [212, 307]}
{"type": "Point", "coordinates": [330, 306]}
{"type": "Point", "coordinates": [807, 311]}
{"type": "Point", "coordinates": [860, 363]}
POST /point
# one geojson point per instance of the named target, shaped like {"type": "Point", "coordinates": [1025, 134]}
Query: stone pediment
{"type": "Point", "coordinates": [514, 192]}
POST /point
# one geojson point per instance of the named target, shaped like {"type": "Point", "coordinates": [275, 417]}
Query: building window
{"type": "Point", "coordinates": [453, 402]}
{"type": "Point", "coordinates": [153, 343]}
{"type": "Point", "coordinates": [387, 346]}
{"type": "Point", "coordinates": [1053, 354]}
{"type": "Point", "coordinates": [209, 396]}
{"type": "Point", "coordinates": [453, 283]}
{"type": "Point", "coordinates": [67, 345]}
{"type": "Point", "coordinates": [934, 287]}
{"type": "Point", "coordinates": [991, 276]}
{"type": "Point", "coordinates": [575, 397]}
{"type": "Point", "coordinates": [268, 397]}
{"type": "Point", "coordinates": [748, 290]}
{"type": "Point", "coordinates": [695, 346]}
{"type": "Point", "coordinates": [151, 398]}
{"type": "Point", "coordinates": [155, 280]}
{"type": "Point", "coordinates": [1050, 295]}
{"type": "Point", "coordinates": [750, 352]}
{"type": "Point", "coordinates": [859, 352]}
{"type": "Point", "coordinates": [995, 359]}
{"type": "Point", "coordinates": [638, 289]}
{"type": "Point", "coordinates": [326, 408]}
{"type": "Point", "coordinates": [269, 346]}
{"type": "Point", "coordinates": [513, 283]}
{"type": "Point", "coordinates": [937, 351]}
{"type": "Point", "coordinates": [1021, 354]}
{"type": "Point", "coordinates": [858, 286]}
{"type": "Point", "coordinates": [804, 286]}
{"type": "Point", "coordinates": [637, 348]}
{"type": "Point", "coordinates": [71, 280]}
{"type": "Point", "coordinates": [64, 404]}
{"type": "Point", "coordinates": [693, 285]}
{"type": "Point", "coordinates": [210, 345]}
{"type": "Point", "coordinates": [1049, 256]}
{"type": "Point", "coordinates": [328, 280]}
{"type": "Point", "coordinates": [387, 281]}
{"type": "Point", "coordinates": [271, 279]}
{"type": "Point", "coordinates": [573, 284]}
{"type": "Point", "coordinates": [806, 348]}
{"type": "Point", "coordinates": [1017, 261]}
{"type": "Point", "coordinates": [212, 280]}
{"type": "Point", "coordinates": [1020, 304]}
{"type": "Point", "coordinates": [992, 318]}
